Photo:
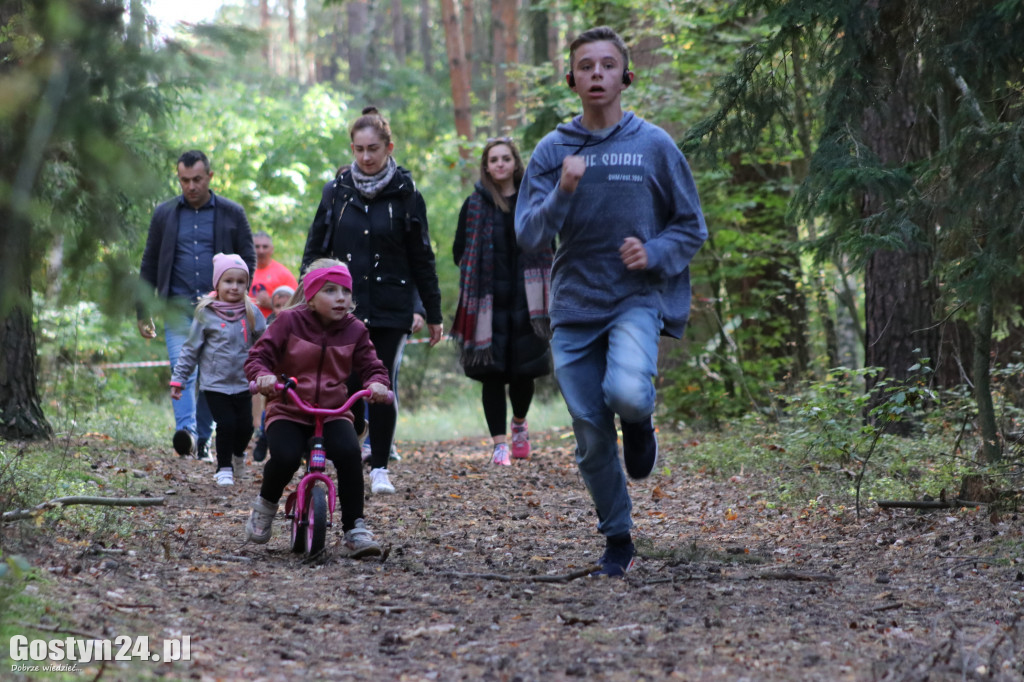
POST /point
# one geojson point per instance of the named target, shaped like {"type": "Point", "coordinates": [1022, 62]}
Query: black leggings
{"type": "Point", "coordinates": [390, 344]}
{"type": "Point", "coordinates": [520, 394]}
{"type": "Point", "coordinates": [289, 443]}
{"type": "Point", "coordinates": [233, 415]}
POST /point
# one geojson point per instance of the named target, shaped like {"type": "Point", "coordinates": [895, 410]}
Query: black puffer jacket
{"type": "Point", "coordinates": [517, 351]}
{"type": "Point", "coordinates": [386, 245]}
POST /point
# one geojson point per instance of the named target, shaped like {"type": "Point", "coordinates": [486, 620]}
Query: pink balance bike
{"type": "Point", "coordinates": [311, 506]}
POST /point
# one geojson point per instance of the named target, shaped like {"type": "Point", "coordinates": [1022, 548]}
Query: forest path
{"type": "Point", "coordinates": [476, 582]}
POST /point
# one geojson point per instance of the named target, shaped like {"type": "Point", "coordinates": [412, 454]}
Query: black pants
{"type": "Point", "coordinates": [390, 344]}
{"type": "Point", "coordinates": [289, 443]}
{"type": "Point", "coordinates": [233, 415]}
{"type": "Point", "coordinates": [520, 394]}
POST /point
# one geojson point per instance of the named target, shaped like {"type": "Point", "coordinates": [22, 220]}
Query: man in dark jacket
{"type": "Point", "coordinates": [184, 234]}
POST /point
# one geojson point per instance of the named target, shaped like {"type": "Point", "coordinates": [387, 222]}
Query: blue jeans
{"type": "Point", "coordinates": [602, 370]}
{"type": "Point", "coordinates": [190, 412]}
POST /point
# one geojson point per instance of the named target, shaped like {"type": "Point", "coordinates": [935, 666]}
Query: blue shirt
{"type": "Point", "coordinates": [192, 275]}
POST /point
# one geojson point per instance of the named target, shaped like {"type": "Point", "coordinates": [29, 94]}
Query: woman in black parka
{"type": "Point", "coordinates": [372, 219]}
{"type": "Point", "coordinates": [501, 324]}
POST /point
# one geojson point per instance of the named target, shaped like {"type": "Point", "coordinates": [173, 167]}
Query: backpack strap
{"type": "Point", "coordinates": [409, 204]}
{"type": "Point", "coordinates": [329, 232]}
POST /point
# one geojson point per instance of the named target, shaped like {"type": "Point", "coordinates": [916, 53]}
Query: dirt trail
{"type": "Point", "coordinates": [473, 585]}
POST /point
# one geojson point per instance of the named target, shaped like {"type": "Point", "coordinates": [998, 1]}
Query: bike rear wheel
{"type": "Point", "coordinates": [316, 520]}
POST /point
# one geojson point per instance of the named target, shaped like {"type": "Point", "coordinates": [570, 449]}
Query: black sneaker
{"type": "Point", "coordinates": [617, 560]}
{"type": "Point", "coordinates": [639, 448]}
{"type": "Point", "coordinates": [184, 443]}
{"type": "Point", "coordinates": [259, 451]}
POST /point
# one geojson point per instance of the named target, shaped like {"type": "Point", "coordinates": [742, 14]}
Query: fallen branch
{"type": "Point", "coordinates": [57, 629]}
{"type": "Point", "coordinates": [928, 504]}
{"type": "Point", "coordinates": [564, 578]}
{"type": "Point", "coordinates": [788, 575]}
{"type": "Point", "coordinates": [231, 558]}
{"type": "Point", "coordinates": [19, 514]}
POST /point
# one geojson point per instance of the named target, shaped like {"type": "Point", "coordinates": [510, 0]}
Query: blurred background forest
{"type": "Point", "coordinates": [859, 163]}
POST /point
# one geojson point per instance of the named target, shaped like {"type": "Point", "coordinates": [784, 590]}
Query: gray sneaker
{"type": "Point", "coordinates": [359, 541]}
{"type": "Point", "coordinates": [238, 466]}
{"type": "Point", "coordinates": [260, 525]}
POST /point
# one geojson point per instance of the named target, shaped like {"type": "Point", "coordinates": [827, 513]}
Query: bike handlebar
{"type": "Point", "coordinates": [288, 388]}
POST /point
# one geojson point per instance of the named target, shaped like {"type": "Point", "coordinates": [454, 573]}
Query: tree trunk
{"type": "Point", "coordinates": [268, 44]}
{"type": "Point", "coordinates": [466, 16]}
{"type": "Point", "coordinates": [293, 42]}
{"type": "Point", "coordinates": [991, 449]}
{"type": "Point", "coordinates": [458, 68]}
{"type": "Point", "coordinates": [23, 147]}
{"type": "Point", "coordinates": [398, 32]}
{"type": "Point", "coordinates": [21, 412]}
{"type": "Point", "coordinates": [900, 290]}
{"type": "Point", "coordinates": [539, 24]}
{"type": "Point", "coordinates": [499, 83]}
{"type": "Point", "coordinates": [509, 58]}
{"type": "Point", "coordinates": [426, 41]}
{"type": "Point", "coordinates": [358, 13]}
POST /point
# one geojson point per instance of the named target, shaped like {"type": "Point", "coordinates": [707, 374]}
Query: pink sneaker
{"type": "Point", "coordinates": [520, 440]}
{"type": "Point", "coordinates": [501, 455]}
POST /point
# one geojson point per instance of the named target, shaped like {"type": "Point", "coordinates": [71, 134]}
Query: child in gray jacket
{"type": "Point", "coordinates": [226, 325]}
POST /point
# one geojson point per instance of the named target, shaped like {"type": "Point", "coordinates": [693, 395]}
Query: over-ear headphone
{"type": "Point", "coordinates": [626, 78]}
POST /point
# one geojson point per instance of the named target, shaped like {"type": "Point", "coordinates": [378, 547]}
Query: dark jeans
{"type": "Point", "coordinates": [520, 394]}
{"type": "Point", "coordinates": [233, 414]}
{"type": "Point", "coordinates": [289, 443]}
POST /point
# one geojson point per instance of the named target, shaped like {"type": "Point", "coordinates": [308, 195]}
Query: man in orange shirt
{"type": "Point", "coordinates": [269, 274]}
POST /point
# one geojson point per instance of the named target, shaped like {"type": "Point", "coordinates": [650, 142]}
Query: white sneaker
{"type": "Point", "coordinates": [224, 476]}
{"type": "Point", "coordinates": [379, 482]}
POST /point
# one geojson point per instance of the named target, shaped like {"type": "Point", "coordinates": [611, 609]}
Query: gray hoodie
{"type": "Point", "coordinates": [220, 348]}
{"type": "Point", "coordinates": [638, 184]}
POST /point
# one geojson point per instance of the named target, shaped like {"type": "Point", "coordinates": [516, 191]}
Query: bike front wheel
{"type": "Point", "coordinates": [316, 520]}
{"type": "Point", "coordinates": [298, 527]}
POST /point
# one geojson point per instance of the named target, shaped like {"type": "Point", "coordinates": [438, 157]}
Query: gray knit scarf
{"type": "Point", "coordinates": [371, 185]}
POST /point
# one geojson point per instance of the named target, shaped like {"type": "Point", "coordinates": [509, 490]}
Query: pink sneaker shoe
{"type": "Point", "coordinates": [520, 441]}
{"type": "Point", "coordinates": [501, 455]}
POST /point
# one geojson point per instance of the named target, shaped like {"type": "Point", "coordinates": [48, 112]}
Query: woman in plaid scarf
{"type": "Point", "coordinates": [501, 324]}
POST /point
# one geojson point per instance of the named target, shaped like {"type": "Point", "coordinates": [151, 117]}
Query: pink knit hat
{"type": "Point", "coordinates": [315, 279]}
{"type": "Point", "coordinates": [223, 262]}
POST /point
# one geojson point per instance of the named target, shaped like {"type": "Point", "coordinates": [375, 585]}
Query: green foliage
{"type": "Point", "coordinates": [15, 572]}
{"type": "Point", "coordinates": [821, 445]}
{"type": "Point", "coordinates": [58, 469]}
{"type": "Point", "coordinates": [740, 356]}
{"type": "Point", "coordinates": [272, 151]}
{"type": "Point", "coordinates": [75, 340]}
{"type": "Point", "coordinates": [76, 156]}
{"type": "Point", "coordinates": [844, 425]}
